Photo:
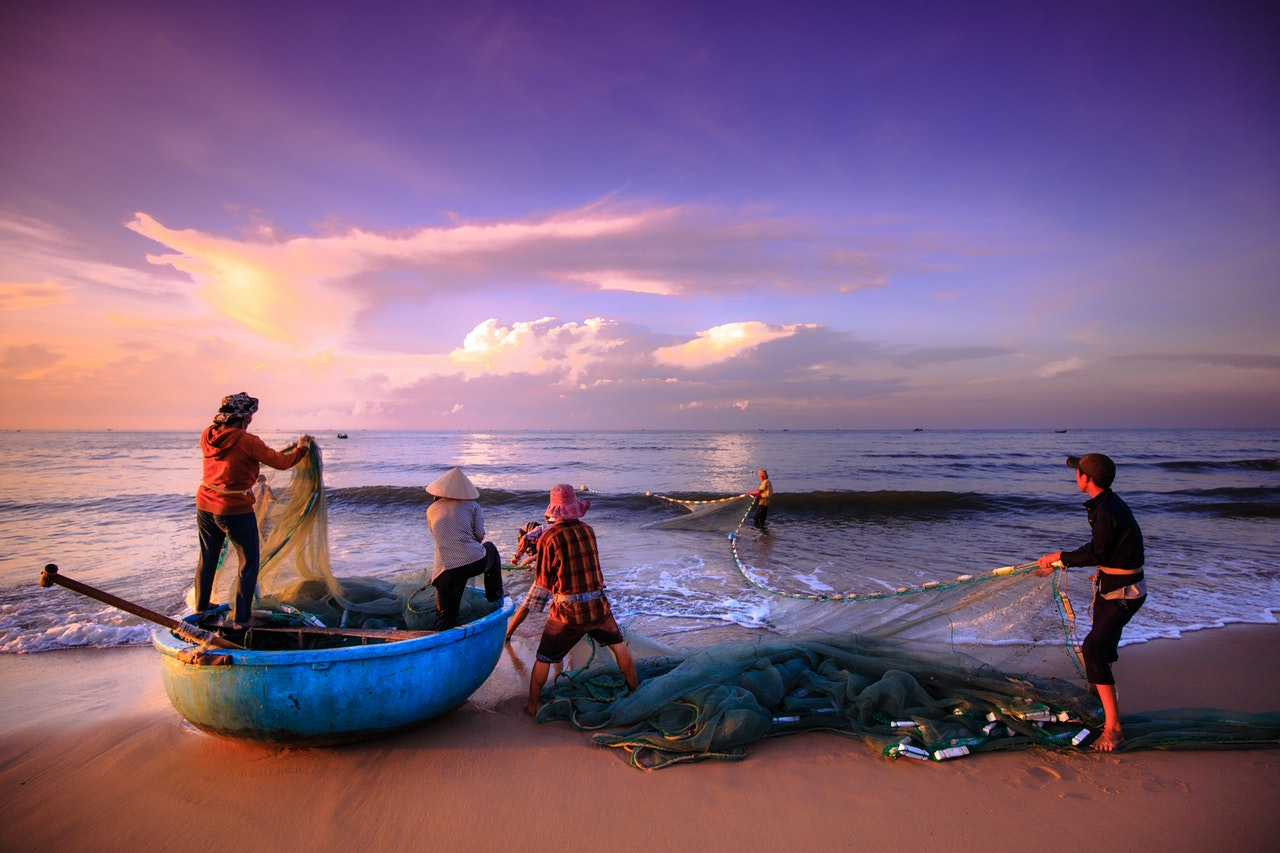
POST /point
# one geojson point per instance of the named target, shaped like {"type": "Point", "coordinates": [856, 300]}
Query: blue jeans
{"type": "Point", "coordinates": [214, 530]}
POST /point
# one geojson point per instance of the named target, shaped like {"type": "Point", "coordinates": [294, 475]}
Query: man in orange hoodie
{"type": "Point", "coordinates": [224, 502]}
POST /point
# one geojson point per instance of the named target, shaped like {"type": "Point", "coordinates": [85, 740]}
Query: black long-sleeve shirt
{"type": "Point", "coordinates": [1117, 539]}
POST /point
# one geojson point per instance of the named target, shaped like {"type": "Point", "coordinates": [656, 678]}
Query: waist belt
{"type": "Point", "coordinates": [223, 491]}
{"type": "Point", "coordinates": [577, 597]}
{"type": "Point", "coordinates": [1121, 586]}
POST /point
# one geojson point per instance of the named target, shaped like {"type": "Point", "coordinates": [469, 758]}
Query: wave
{"type": "Point", "coordinates": [123, 504]}
{"type": "Point", "coordinates": [1234, 502]}
{"type": "Point", "coordinates": [1250, 502]}
{"type": "Point", "coordinates": [1220, 465]}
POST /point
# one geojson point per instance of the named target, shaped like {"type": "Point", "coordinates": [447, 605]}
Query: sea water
{"type": "Point", "coordinates": [854, 511]}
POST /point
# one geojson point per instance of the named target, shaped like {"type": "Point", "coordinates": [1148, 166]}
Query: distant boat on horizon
{"type": "Point", "coordinates": [1059, 430]}
{"type": "Point", "coordinates": [342, 435]}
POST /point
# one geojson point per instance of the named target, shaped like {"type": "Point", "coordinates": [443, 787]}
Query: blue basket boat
{"type": "Point", "coordinates": [316, 697]}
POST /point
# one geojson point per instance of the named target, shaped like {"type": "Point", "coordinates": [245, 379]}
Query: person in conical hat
{"type": "Point", "coordinates": [461, 552]}
{"type": "Point", "coordinates": [569, 569]}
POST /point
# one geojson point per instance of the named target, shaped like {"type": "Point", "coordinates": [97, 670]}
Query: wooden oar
{"type": "Point", "coordinates": [185, 630]}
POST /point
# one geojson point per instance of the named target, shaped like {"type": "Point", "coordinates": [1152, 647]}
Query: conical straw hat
{"type": "Point", "coordinates": [454, 484]}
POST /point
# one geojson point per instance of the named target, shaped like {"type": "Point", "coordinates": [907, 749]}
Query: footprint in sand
{"type": "Point", "coordinates": [1040, 776]}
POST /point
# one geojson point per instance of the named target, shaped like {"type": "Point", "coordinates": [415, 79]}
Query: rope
{"type": "Point", "coordinates": [194, 634]}
{"type": "Point", "coordinates": [1068, 616]}
{"type": "Point", "coordinates": [1066, 613]}
{"type": "Point", "coordinates": [686, 503]}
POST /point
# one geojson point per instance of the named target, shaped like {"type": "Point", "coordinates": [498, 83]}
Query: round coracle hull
{"type": "Point", "coordinates": [328, 696]}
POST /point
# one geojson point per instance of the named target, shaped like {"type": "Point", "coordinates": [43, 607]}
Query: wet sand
{"type": "Point", "coordinates": [93, 757]}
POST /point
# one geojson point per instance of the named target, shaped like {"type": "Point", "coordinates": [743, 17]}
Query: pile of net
{"type": "Point", "coordinates": [903, 701]}
{"type": "Point", "coordinates": [296, 577]}
{"type": "Point", "coordinates": [928, 672]}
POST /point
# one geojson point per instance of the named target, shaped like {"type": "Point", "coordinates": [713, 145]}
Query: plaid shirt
{"type": "Point", "coordinates": [569, 565]}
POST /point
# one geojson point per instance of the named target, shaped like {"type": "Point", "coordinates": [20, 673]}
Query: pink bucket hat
{"type": "Point", "coordinates": [565, 503]}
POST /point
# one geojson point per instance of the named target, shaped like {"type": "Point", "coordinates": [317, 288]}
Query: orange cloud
{"type": "Point", "coordinates": [723, 342]}
{"type": "Point", "coordinates": [22, 297]}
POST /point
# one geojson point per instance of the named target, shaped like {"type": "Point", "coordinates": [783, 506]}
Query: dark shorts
{"type": "Point", "coordinates": [559, 637]}
{"type": "Point", "coordinates": [1101, 647]}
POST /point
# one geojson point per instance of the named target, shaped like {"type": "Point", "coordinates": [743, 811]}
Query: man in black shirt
{"type": "Point", "coordinates": [1119, 588]}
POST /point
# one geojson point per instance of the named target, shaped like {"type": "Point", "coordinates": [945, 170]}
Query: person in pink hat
{"type": "Point", "coordinates": [569, 568]}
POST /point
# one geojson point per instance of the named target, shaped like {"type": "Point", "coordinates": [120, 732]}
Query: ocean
{"type": "Point", "coordinates": [855, 511]}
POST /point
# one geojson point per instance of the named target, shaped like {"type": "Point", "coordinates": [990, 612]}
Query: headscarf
{"type": "Point", "coordinates": [236, 407]}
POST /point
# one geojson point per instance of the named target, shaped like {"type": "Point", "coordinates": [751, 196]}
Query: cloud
{"type": "Point", "coordinates": [302, 289]}
{"type": "Point", "coordinates": [28, 361]}
{"type": "Point", "coordinates": [279, 290]}
{"type": "Point", "coordinates": [41, 264]}
{"type": "Point", "coordinates": [539, 347]}
{"type": "Point", "coordinates": [721, 343]}
{"type": "Point", "coordinates": [1060, 368]}
{"type": "Point", "coordinates": [1239, 361]}
{"type": "Point", "coordinates": [17, 297]}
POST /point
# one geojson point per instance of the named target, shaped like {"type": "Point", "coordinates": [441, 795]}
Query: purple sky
{"type": "Point", "coordinates": [665, 215]}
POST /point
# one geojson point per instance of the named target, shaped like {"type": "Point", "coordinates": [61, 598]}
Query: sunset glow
{"type": "Point", "coordinates": [640, 215]}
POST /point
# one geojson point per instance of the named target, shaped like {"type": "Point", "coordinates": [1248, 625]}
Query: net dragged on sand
{"type": "Point", "coordinates": [901, 700]}
{"type": "Point", "coordinates": [975, 664]}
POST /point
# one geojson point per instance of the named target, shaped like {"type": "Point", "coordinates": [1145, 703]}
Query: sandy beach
{"type": "Point", "coordinates": [93, 757]}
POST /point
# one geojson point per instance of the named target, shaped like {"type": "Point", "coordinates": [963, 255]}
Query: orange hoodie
{"type": "Point", "coordinates": [232, 459]}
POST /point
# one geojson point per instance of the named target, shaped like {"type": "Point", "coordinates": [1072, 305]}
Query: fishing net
{"type": "Point", "coordinates": [712, 516]}
{"type": "Point", "coordinates": [929, 671]}
{"type": "Point", "coordinates": [295, 576]}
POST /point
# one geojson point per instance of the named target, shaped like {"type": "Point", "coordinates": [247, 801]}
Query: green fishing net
{"type": "Point", "coordinates": [929, 672]}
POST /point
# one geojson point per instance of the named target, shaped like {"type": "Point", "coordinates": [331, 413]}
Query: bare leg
{"type": "Point", "coordinates": [516, 619]}
{"type": "Point", "coordinates": [1111, 736]}
{"type": "Point", "coordinates": [626, 664]}
{"type": "Point", "coordinates": [537, 680]}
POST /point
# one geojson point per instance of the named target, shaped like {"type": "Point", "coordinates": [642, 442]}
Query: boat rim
{"type": "Point", "coordinates": [170, 645]}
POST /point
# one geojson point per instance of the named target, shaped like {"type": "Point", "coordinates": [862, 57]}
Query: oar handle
{"type": "Point", "coordinates": [50, 576]}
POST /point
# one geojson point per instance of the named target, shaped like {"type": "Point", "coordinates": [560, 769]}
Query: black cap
{"type": "Point", "coordinates": [1096, 467]}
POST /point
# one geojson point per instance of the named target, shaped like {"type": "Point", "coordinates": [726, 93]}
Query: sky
{"type": "Point", "coordinates": [661, 215]}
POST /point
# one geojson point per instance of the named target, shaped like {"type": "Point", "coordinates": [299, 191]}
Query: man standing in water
{"type": "Point", "coordinates": [568, 568]}
{"type": "Point", "coordinates": [762, 495]}
{"type": "Point", "coordinates": [1119, 588]}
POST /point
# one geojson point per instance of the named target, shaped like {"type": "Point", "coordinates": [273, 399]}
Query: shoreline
{"type": "Point", "coordinates": [93, 756]}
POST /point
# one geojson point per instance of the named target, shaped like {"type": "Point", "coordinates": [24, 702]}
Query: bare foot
{"type": "Point", "coordinates": [531, 710]}
{"type": "Point", "coordinates": [1108, 740]}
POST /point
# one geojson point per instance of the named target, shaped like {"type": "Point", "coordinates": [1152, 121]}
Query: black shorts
{"type": "Point", "coordinates": [559, 637]}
